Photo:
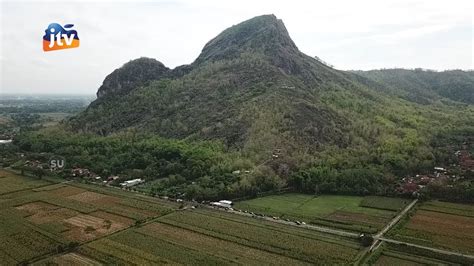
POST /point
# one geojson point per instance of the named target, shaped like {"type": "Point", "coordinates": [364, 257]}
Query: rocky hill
{"type": "Point", "coordinates": [252, 89]}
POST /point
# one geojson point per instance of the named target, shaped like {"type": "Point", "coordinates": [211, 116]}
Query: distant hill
{"type": "Point", "coordinates": [252, 89]}
{"type": "Point", "coordinates": [424, 86]}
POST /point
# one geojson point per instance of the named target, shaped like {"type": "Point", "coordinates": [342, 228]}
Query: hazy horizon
{"type": "Point", "coordinates": [361, 35]}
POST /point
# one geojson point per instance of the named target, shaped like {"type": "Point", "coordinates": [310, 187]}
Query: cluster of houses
{"type": "Point", "coordinates": [465, 160]}
{"type": "Point", "coordinates": [441, 175]}
{"type": "Point", "coordinates": [82, 173]}
{"type": "Point", "coordinates": [33, 164]}
{"type": "Point", "coordinates": [411, 185]}
{"type": "Point", "coordinates": [87, 174]}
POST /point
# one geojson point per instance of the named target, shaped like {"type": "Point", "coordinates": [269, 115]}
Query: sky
{"type": "Point", "coordinates": [351, 35]}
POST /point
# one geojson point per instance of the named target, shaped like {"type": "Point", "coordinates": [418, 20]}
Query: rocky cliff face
{"type": "Point", "coordinates": [133, 74]}
{"type": "Point", "coordinates": [264, 36]}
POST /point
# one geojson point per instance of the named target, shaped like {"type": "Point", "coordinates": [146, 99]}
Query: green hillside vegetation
{"type": "Point", "coordinates": [425, 86]}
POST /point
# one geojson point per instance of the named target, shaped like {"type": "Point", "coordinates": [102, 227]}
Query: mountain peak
{"type": "Point", "coordinates": [265, 34]}
{"type": "Point", "coordinates": [131, 75]}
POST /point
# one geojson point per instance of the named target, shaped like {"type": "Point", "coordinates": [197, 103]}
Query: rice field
{"type": "Point", "coordinates": [391, 254]}
{"type": "Point", "coordinates": [70, 259]}
{"type": "Point", "coordinates": [12, 182]}
{"type": "Point", "coordinates": [391, 257]}
{"type": "Point", "coordinates": [39, 218]}
{"type": "Point", "coordinates": [212, 237]}
{"type": "Point", "coordinates": [46, 223]}
{"type": "Point", "coordinates": [360, 214]}
{"type": "Point", "coordinates": [443, 225]}
{"type": "Point", "coordinates": [384, 203]}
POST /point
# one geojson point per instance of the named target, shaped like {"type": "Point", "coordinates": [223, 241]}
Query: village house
{"type": "Point", "coordinates": [131, 183]}
{"type": "Point", "coordinates": [222, 204]}
{"type": "Point", "coordinates": [465, 160]}
{"type": "Point", "coordinates": [82, 172]}
{"type": "Point", "coordinates": [112, 178]}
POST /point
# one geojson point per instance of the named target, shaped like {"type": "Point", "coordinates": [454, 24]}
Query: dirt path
{"type": "Point", "coordinates": [395, 220]}
{"type": "Point", "coordinates": [312, 227]}
{"type": "Point", "coordinates": [446, 252]}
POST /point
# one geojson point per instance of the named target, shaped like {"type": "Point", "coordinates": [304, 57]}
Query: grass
{"type": "Point", "coordinates": [309, 205]}
{"type": "Point", "coordinates": [345, 212]}
{"type": "Point", "coordinates": [385, 203]}
{"type": "Point", "coordinates": [12, 182]}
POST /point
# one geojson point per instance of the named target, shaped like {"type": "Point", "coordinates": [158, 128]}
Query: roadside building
{"type": "Point", "coordinates": [131, 183]}
{"type": "Point", "coordinates": [112, 178]}
{"type": "Point", "coordinates": [221, 205]}
{"type": "Point", "coordinates": [227, 202]}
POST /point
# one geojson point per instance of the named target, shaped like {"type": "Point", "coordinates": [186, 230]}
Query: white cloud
{"type": "Point", "coordinates": [349, 34]}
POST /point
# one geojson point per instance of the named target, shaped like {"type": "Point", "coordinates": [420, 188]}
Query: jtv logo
{"type": "Point", "coordinates": [56, 37]}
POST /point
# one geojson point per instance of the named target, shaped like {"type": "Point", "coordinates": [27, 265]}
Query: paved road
{"type": "Point", "coordinates": [425, 247]}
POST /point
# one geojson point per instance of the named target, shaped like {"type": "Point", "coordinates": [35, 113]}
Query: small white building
{"type": "Point", "coordinates": [221, 205]}
{"type": "Point", "coordinates": [133, 182]}
{"type": "Point", "coordinates": [227, 202]}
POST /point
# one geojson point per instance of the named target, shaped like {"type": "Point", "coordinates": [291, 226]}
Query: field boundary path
{"type": "Point", "coordinates": [446, 252]}
{"type": "Point", "coordinates": [396, 219]}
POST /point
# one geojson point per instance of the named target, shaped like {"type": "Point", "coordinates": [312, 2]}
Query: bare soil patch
{"type": "Point", "coordinates": [36, 207]}
{"type": "Point", "coordinates": [95, 198]}
{"type": "Point", "coordinates": [42, 212]}
{"type": "Point", "coordinates": [113, 218]}
{"type": "Point", "coordinates": [87, 227]}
